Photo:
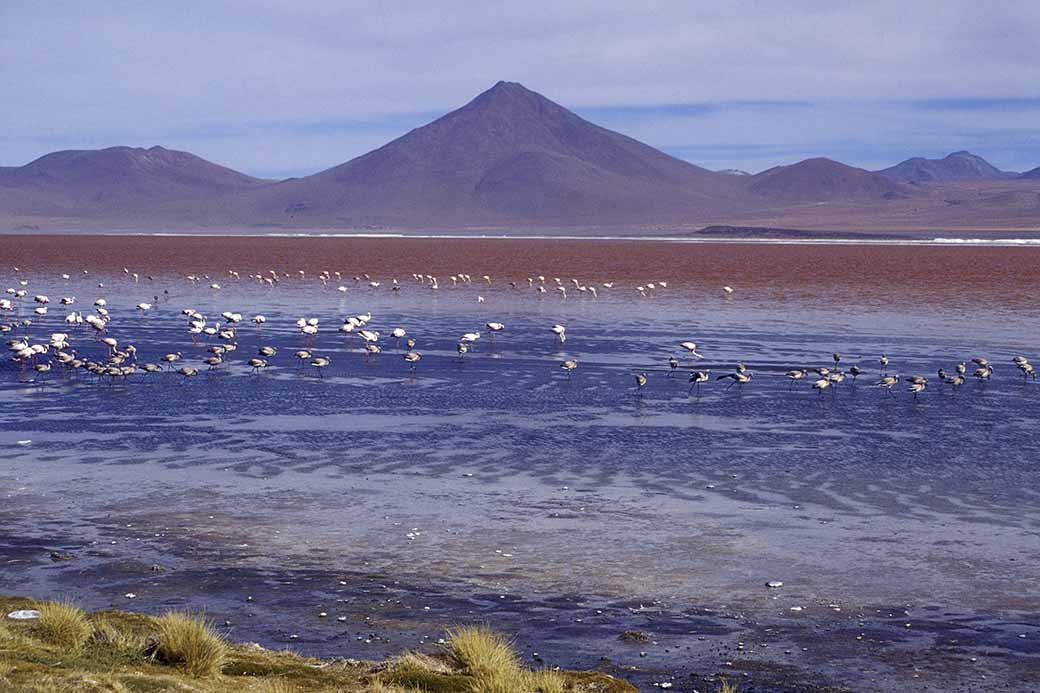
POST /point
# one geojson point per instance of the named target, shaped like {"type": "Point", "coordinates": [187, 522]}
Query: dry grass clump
{"type": "Point", "coordinates": [62, 624]}
{"type": "Point", "coordinates": [545, 681]}
{"type": "Point", "coordinates": [189, 642]}
{"type": "Point", "coordinates": [490, 660]}
{"type": "Point", "coordinates": [119, 640]}
{"type": "Point", "coordinates": [726, 687]}
{"type": "Point", "coordinates": [417, 661]}
{"type": "Point", "coordinates": [477, 650]}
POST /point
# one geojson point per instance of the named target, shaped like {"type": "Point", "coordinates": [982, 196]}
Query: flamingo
{"type": "Point", "coordinates": [412, 358]}
{"type": "Point", "coordinates": [698, 377]}
{"type": "Point", "coordinates": [319, 363]}
{"type": "Point", "coordinates": [691, 348]}
{"type": "Point", "coordinates": [1028, 370]}
{"type": "Point", "coordinates": [795, 375]}
{"type": "Point", "coordinates": [740, 377]}
{"type": "Point", "coordinates": [888, 382]}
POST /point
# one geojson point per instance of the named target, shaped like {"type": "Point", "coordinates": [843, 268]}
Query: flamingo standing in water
{"type": "Point", "coordinates": [741, 377]}
{"type": "Point", "coordinates": [412, 358]}
{"type": "Point", "coordinates": [691, 349]}
{"type": "Point", "coordinates": [795, 375]}
{"type": "Point", "coordinates": [319, 363]}
{"type": "Point", "coordinates": [887, 382]}
{"type": "Point", "coordinates": [698, 377]}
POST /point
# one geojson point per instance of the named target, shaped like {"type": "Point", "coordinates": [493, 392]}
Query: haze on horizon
{"type": "Point", "coordinates": [274, 90]}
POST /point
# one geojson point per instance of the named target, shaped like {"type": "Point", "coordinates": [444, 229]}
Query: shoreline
{"type": "Point", "coordinates": [56, 645]}
{"type": "Point", "coordinates": [784, 238]}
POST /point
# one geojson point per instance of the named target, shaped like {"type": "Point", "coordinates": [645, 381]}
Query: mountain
{"type": "Point", "coordinates": [510, 159]}
{"type": "Point", "coordinates": [115, 181]}
{"type": "Point", "coordinates": [1033, 174]}
{"type": "Point", "coordinates": [734, 172]}
{"type": "Point", "coordinates": [823, 180]}
{"type": "Point", "coordinates": [957, 166]}
{"type": "Point", "coordinates": [509, 156]}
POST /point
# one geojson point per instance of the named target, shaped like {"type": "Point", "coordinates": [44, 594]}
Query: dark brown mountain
{"type": "Point", "coordinates": [958, 166]}
{"type": "Point", "coordinates": [508, 156]}
{"type": "Point", "coordinates": [823, 180]}
{"type": "Point", "coordinates": [115, 181]}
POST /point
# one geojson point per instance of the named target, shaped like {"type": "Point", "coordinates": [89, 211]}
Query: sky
{"type": "Point", "coordinates": [279, 88]}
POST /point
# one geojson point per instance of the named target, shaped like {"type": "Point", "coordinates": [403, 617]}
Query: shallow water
{"type": "Point", "coordinates": [493, 487]}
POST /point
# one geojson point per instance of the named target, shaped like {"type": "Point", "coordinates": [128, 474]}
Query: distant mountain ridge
{"type": "Point", "coordinates": [126, 179]}
{"type": "Point", "coordinates": [958, 166]}
{"type": "Point", "coordinates": [822, 179]}
{"type": "Point", "coordinates": [508, 159]}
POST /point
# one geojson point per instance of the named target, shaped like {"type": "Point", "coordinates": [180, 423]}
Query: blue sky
{"type": "Point", "coordinates": [279, 87]}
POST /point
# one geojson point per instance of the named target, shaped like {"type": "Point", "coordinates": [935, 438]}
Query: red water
{"type": "Point", "coordinates": [971, 275]}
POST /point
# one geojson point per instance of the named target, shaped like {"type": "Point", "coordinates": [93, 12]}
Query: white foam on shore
{"type": "Point", "coordinates": [766, 240]}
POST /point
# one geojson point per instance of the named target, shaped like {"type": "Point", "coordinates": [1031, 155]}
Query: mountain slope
{"type": "Point", "coordinates": [957, 166]}
{"type": "Point", "coordinates": [1033, 174]}
{"type": "Point", "coordinates": [115, 181]}
{"type": "Point", "coordinates": [509, 155]}
{"type": "Point", "coordinates": [823, 180]}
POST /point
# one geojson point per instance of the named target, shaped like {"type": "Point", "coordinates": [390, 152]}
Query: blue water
{"type": "Point", "coordinates": [495, 477]}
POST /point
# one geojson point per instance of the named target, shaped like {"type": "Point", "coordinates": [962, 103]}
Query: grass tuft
{"type": "Point", "coordinates": [490, 660]}
{"type": "Point", "coordinates": [119, 640]}
{"type": "Point", "coordinates": [726, 687]}
{"type": "Point", "coordinates": [481, 652]}
{"type": "Point", "coordinates": [189, 642]}
{"type": "Point", "coordinates": [417, 661]}
{"type": "Point", "coordinates": [546, 681]}
{"type": "Point", "coordinates": [62, 624]}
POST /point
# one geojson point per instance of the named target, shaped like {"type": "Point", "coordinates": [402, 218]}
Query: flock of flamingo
{"type": "Point", "coordinates": [120, 360]}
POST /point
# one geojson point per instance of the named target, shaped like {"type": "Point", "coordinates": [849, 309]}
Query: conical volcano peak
{"type": "Point", "coordinates": [509, 153]}
{"type": "Point", "coordinates": [511, 98]}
